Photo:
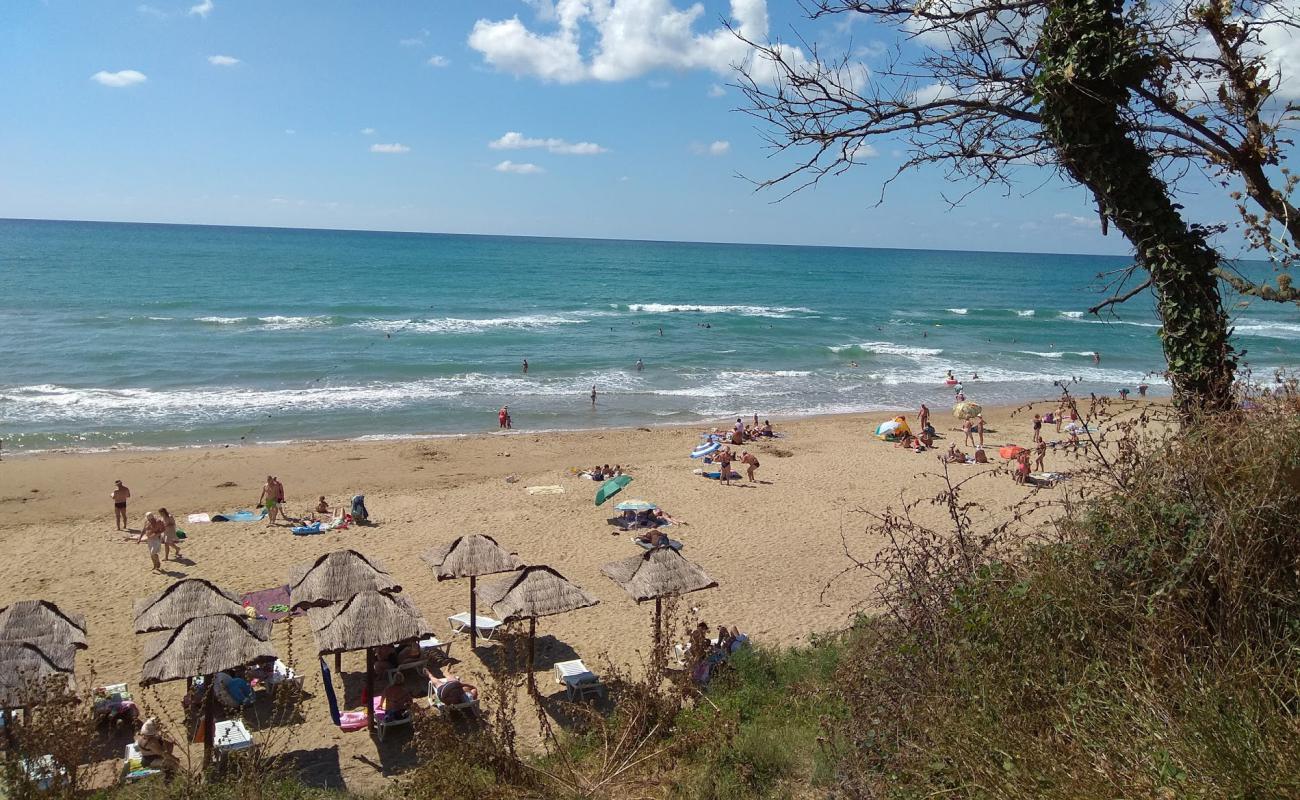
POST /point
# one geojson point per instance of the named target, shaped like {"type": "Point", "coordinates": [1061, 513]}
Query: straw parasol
{"type": "Point", "coordinates": [334, 577]}
{"type": "Point", "coordinates": [364, 621]}
{"type": "Point", "coordinates": [181, 602]}
{"type": "Point", "coordinates": [655, 574]}
{"type": "Point", "coordinates": [42, 623]}
{"type": "Point", "coordinates": [470, 557]}
{"type": "Point", "coordinates": [533, 592]}
{"type": "Point", "coordinates": [204, 646]}
{"type": "Point", "coordinates": [27, 671]}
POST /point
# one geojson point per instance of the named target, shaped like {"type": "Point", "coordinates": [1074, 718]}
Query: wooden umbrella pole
{"type": "Point", "coordinates": [370, 689]}
{"type": "Point", "coordinates": [473, 613]}
{"type": "Point", "coordinates": [338, 663]}
{"type": "Point", "coordinates": [532, 644]}
{"type": "Point", "coordinates": [659, 635]}
{"type": "Point", "coordinates": [209, 720]}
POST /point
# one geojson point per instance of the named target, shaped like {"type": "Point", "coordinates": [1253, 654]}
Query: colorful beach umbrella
{"type": "Point", "coordinates": [705, 449]}
{"type": "Point", "coordinates": [611, 487]}
{"type": "Point", "coordinates": [967, 410]}
{"type": "Point", "coordinates": [636, 505]}
{"type": "Point", "coordinates": [886, 428]}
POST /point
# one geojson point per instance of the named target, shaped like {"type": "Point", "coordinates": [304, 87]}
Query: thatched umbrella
{"type": "Point", "coordinates": [205, 646]}
{"type": "Point", "coordinates": [27, 669]}
{"type": "Point", "coordinates": [184, 600]}
{"type": "Point", "coordinates": [470, 557]}
{"type": "Point", "coordinates": [655, 574]}
{"type": "Point", "coordinates": [42, 623]}
{"type": "Point", "coordinates": [365, 621]}
{"type": "Point", "coordinates": [334, 577]}
{"type": "Point", "coordinates": [533, 592]}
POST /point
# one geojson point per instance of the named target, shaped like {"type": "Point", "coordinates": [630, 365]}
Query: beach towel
{"type": "Point", "coordinates": [308, 530]}
{"type": "Point", "coordinates": [718, 475]}
{"type": "Point", "coordinates": [329, 692]}
{"type": "Point", "coordinates": [239, 516]}
{"type": "Point", "coordinates": [196, 519]}
{"type": "Point", "coordinates": [545, 489]}
{"type": "Point", "coordinates": [269, 604]}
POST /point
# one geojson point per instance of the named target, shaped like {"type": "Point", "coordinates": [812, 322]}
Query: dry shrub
{"type": "Point", "coordinates": [1143, 640]}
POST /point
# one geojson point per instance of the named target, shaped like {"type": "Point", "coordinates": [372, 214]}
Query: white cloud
{"type": "Point", "coordinates": [861, 152]}
{"type": "Point", "coordinates": [719, 148]}
{"type": "Point", "coordinates": [513, 140]}
{"type": "Point", "coordinates": [223, 61]}
{"type": "Point", "coordinates": [145, 8]}
{"type": "Point", "coordinates": [1077, 221]}
{"type": "Point", "coordinates": [119, 79]}
{"type": "Point", "coordinates": [202, 9]}
{"type": "Point", "coordinates": [394, 148]}
{"type": "Point", "coordinates": [439, 61]}
{"type": "Point", "coordinates": [632, 38]}
{"type": "Point", "coordinates": [367, 131]}
{"type": "Point", "coordinates": [289, 131]}
{"type": "Point", "coordinates": [716, 90]}
{"type": "Point", "coordinates": [415, 41]}
{"type": "Point", "coordinates": [518, 169]}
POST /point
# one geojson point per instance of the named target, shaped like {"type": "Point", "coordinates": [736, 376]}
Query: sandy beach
{"type": "Point", "coordinates": [772, 546]}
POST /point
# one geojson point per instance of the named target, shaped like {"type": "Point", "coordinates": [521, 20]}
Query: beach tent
{"type": "Point", "coordinates": [655, 574]}
{"type": "Point", "coordinates": [532, 592]}
{"type": "Point", "coordinates": [470, 557]}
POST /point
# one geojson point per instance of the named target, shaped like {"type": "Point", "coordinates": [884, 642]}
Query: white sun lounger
{"type": "Point", "coordinates": [429, 648]}
{"type": "Point", "coordinates": [486, 626]}
{"type": "Point", "coordinates": [578, 681]}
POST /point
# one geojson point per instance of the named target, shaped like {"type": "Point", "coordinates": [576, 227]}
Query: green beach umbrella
{"type": "Point", "coordinates": [636, 505]}
{"type": "Point", "coordinates": [611, 487]}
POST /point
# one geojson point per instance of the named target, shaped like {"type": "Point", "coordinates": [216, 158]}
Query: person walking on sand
{"type": "Point", "coordinates": [593, 395]}
{"type": "Point", "coordinates": [968, 433]}
{"type": "Point", "coordinates": [724, 465]}
{"type": "Point", "coordinates": [1040, 453]}
{"type": "Point", "coordinates": [923, 416]}
{"type": "Point", "coordinates": [152, 533]}
{"type": "Point", "coordinates": [979, 428]}
{"type": "Point", "coordinates": [1038, 428]}
{"type": "Point", "coordinates": [120, 496]}
{"type": "Point", "coordinates": [270, 500]}
{"type": "Point", "coordinates": [751, 462]}
{"type": "Point", "coordinates": [170, 540]}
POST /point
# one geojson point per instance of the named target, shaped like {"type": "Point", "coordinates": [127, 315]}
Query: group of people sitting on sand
{"type": "Point", "coordinates": [704, 653]}
{"type": "Point", "coordinates": [604, 473]}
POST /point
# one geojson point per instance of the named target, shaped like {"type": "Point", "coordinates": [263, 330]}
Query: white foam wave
{"type": "Point", "coordinates": [1272, 330]}
{"type": "Point", "coordinates": [1072, 314]}
{"type": "Point", "coordinates": [1042, 355]}
{"type": "Point", "coordinates": [1028, 312]}
{"type": "Point", "coordinates": [961, 311]}
{"type": "Point", "coordinates": [292, 323]}
{"type": "Point", "coordinates": [464, 325]}
{"type": "Point", "coordinates": [747, 311]}
{"type": "Point", "coordinates": [889, 349]}
{"type": "Point", "coordinates": [222, 320]}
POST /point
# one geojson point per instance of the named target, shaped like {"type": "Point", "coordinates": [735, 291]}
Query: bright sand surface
{"type": "Point", "coordinates": [771, 546]}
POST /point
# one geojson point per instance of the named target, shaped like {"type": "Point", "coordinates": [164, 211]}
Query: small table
{"type": "Point", "coordinates": [230, 736]}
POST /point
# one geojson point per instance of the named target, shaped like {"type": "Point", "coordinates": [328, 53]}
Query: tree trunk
{"type": "Point", "coordinates": [1089, 59]}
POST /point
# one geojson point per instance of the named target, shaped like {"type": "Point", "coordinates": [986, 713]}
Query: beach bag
{"type": "Point", "coordinates": [359, 512]}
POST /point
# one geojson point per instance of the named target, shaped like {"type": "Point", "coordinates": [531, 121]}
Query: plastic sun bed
{"type": "Point", "coordinates": [485, 626]}
{"type": "Point", "coordinates": [673, 543]}
{"type": "Point", "coordinates": [578, 681]}
{"type": "Point", "coordinates": [470, 706]}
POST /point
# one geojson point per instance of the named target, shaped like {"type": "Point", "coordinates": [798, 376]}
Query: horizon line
{"type": "Point", "coordinates": [557, 237]}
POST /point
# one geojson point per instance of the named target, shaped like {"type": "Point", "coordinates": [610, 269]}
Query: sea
{"type": "Point", "coordinates": [160, 336]}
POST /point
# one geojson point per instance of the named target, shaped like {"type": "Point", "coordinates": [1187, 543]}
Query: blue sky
{"type": "Point", "coordinates": [383, 116]}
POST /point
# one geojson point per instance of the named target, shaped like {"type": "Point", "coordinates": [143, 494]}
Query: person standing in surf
{"type": "Point", "coordinates": [593, 395]}
{"type": "Point", "coordinates": [525, 366]}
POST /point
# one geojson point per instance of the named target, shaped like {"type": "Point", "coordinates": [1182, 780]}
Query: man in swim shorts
{"type": "Point", "coordinates": [751, 462]}
{"type": "Point", "coordinates": [270, 499]}
{"type": "Point", "coordinates": [120, 495]}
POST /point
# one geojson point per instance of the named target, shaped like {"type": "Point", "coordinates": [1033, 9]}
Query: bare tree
{"type": "Point", "coordinates": [1127, 102]}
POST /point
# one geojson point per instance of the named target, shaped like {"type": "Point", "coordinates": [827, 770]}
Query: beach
{"type": "Point", "coordinates": [773, 546]}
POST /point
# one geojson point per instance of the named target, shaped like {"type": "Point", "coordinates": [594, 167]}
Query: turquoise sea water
{"type": "Point", "coordinates": [161, 335]}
